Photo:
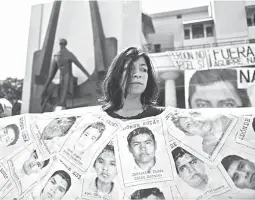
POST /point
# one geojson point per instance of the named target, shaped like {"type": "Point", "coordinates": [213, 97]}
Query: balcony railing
{"type": "Point", "coordinates": [151, 48]}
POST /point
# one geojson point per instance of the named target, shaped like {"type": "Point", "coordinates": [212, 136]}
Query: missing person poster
{"type": "Point", "coordinates": [200, 180]}
{"type": "Point", "coordinates": [238, 166]}
{"type": "Point", "coordinates": [210, 154]}
{"type": "Point", "coordinates": [50, 133]}
{"type": "Point", "coordinates": [90, 133]}
{"type": "Point", "coordinates": [203, 134]}
{"type": "Point", "coordinates": [26, 168]}
{"type": "Point", "coordinates": [101, 180]}
{"type": "Point", "coordinates": [142, 154]}
{"type": "Point", "coordinates": [61, 182]}
{"type": "Point", "coordinates": [14, 134]}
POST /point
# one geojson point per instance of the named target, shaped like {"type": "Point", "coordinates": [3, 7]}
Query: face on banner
{"type": "Point", "coordinates": [32, 165]}
{"type": "Point", "coordinates": [105, 165]}
{"type": "Point", "coordinates": [88, 137]}
{"type": "Point", "coordinates": [190, 168]}
{"type": "Point", "coordinates": [13, 134]}
{"type": "Point", "coordinates": [143, 156]}
{"type": "Point", "coordinates": [214, 88]}
{"type": "Point", "coordinates": [56, 186]}
{"type": "Point", "coordinates": [196, 125]}
{"type": "Point", "coordinates": [57, 127]}
{"type": "Point", "coordinates": [200, 180]}
{"type": "Point", "coordinates": [143, 148]}
{"type": "Point", "coordinates": [240, 170]}
{"type": "Point", "coordinates": [9, 135]}
{"type": "Point", "coordinates": [101, 180]}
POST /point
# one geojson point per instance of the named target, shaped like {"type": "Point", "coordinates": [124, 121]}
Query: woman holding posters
{"type": "Point", "coordinates": [130, 88]}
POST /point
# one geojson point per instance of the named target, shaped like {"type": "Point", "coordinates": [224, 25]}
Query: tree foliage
{"type": "Point", "coordinates": [11, 89]}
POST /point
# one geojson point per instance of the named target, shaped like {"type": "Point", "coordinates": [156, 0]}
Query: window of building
{"type": "Point", "coordinates": [198, 30]}
{"type": "Point", "coordinates": [157, 48]}
{"type": "Point", "coordinates": [178, 16]}
{"type": "Point", "coordinates": [249, 21]}
{"type": "Point", "coordinates": [250, 15]}
{"type": "Point", "coordinates": [209, 31]}
{"type": "Point", "coordinates": [186, 34]}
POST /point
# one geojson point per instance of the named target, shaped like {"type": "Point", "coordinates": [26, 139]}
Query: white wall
{"type": "Point", "coordinates": [33, 45]}
{"type": "Point", "coordinates": [230, 24]}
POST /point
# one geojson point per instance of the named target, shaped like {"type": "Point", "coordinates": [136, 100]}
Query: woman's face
{"type": "Point", "coordinates": [139, 77]}
{"type": "Point", "coordinates": [105, 166]}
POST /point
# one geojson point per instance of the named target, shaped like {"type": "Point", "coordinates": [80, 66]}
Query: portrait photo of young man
{"type": "Point", "coordinates": [142, 145]}
{"type": "Point", "coordinates": [88, 137]}
{"type": "Point", "coordinates": [240, 170]}
{"type": "Point", "coordinates": [216, 88]}
{"type": "Point", "coordinates": [190, 169]}
{"type": "Point", "coordinates": [9, 135]}
{"type": "Point", "coordinates": [57, 186]}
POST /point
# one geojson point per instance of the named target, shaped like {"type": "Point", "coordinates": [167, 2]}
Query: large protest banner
{"type": "Point", "coordinates": [232, 56]}
{"type": "Point", "coordinates": [214, 77]}
{"type": "Point", "coordinates": [179, 154]}
{"type": "Point", "coordinates": [196, 59]}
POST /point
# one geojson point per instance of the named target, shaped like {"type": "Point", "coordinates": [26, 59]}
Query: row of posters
{"type": "Point", "coordinates": [179, 154]}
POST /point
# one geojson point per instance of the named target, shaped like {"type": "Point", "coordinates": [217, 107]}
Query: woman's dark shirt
{"type": "Point", "coordinates": [148, 112]}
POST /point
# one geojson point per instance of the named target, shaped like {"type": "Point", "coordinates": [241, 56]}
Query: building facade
{"type": "Point", "coordinates": [204, 26]}
{"type": "Point", "coordinates": [186, 32]}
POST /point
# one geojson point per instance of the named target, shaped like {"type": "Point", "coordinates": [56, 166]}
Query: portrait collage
{"type": "Point", "coordinates": [96, 157]}
{"type": "Point", "coordinates": [114, 106]}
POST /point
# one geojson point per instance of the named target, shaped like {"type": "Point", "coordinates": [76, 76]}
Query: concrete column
{"type": "Point", "coordinates": [170, 90]}
{"type": "Point", "coordinates": [33, 45]}
{"type": "Point", "coordinates": [131, 20]}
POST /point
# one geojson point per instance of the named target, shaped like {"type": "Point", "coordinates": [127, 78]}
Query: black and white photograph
{"type": "Point", "coordinates": [26, 168]}
{"type": "Point", "coordinates": [101, 181]}
{"type": "Point", "coordinates": [50, 133]}
{"type": "Point", "coordinates": [238, 166]}
{"type": "Point", "coordinates": [61, 182]}
{"type": "Point", "coordinates": [142, 152]}
{"type": "Point", "coordinates": [215, 88]}
{"type": "Point", "coordinates": [127, 99]}
{"type": "Point", "coordinates": [89, 134]}
{"type": "Point", "coordinates": [149, 192]}
{"type": "Point", "coordinates": [199, 179]}
{"type": "Point", "coordinates": [203, 133]}
{"type": "Point", "coordinates": [13, 135]}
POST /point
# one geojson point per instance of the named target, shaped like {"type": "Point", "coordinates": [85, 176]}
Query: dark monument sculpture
{"type": "Point", "coordinates": [62, 61]}
{"type": "Point", "coordinates": [44, 96]}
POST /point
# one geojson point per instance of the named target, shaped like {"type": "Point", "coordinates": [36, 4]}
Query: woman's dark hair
{"type": "Point", "coordinates": [112, 88]}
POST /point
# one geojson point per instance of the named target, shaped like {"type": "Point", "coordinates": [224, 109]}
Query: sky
{"type": "Point", "coordinates": [15, 20]}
